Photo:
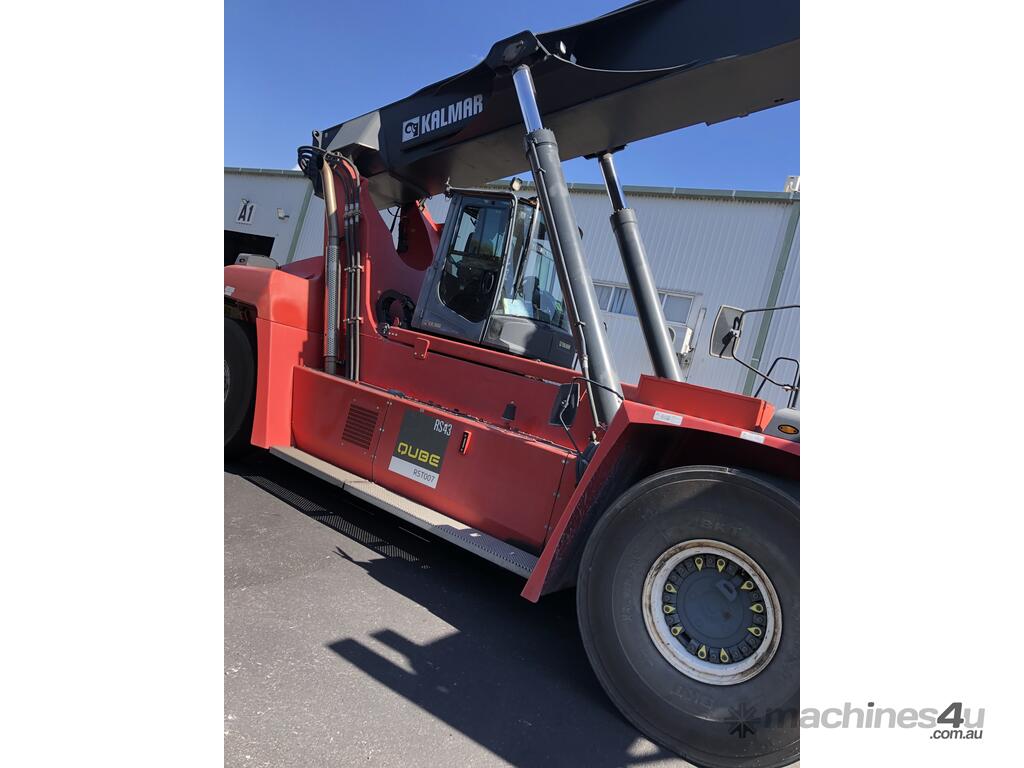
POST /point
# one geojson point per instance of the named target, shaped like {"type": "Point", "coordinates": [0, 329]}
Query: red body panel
{"type": "Point", "coordinates": [392, 273]}
{"type": "Point", "coordinates": [279, 296]}
{"type": "Point", "coordinates": [289, 332]}
{"type": "Point", "coordinates": [481, 487]}
{"type": "Point", "coordinates": [444, 376]}
{"type": "Point", "coordinates": [321, 406]}
{"type": "Point", "coordinates": [514, 479]}
{"type": "Point", "coordinates": [420, 235]}
{"type": "Point", "coordinates": [712, 404]}
{"type": "Point", "coordinates": [484, 356]}
{"type": "Point", "coordinates": [281, 348]}
{"type": "Point", "coordinates": [484, 487]}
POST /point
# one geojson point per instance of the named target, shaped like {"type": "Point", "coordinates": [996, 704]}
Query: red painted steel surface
{"type": "Point", "coordinates": [468, 386]}
{"type": "Point", "coordinates": [280, 349]}
{"type": "Point", "coordinates": [505, 484]}
{"type": "Point", "coordinates": [482, 487]}
{"type": "Point", "coordinates": [420, 234]}
{"type": "Point", "coordinates": [289, 332]}
{"type": "Point", "coordinates": [321, 406]}
{"type": "Point", "coordinates": [278, 296]}
{"type": "Point", "coordinates": [576, 507]}
{"type": "Point", "coordinates": [711, 404]}
{"type": "Point", "coordinates": [390, 273]}
{"type": "Point", "coordinates": [485, 356]}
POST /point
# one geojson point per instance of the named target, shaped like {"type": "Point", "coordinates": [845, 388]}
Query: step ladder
{"type": "Point", "coordinates": [486, 546]}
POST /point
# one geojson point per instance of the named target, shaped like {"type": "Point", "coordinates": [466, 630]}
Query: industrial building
{"type": "Point", "coordinates": [706, 248]}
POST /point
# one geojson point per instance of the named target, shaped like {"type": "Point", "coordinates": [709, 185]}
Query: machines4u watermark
{"type": "Point", "coordinates": [954, 721]}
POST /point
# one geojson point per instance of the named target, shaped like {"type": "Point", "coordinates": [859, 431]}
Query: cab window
{"type": "Point", "coordinates": [472, 267]}
{"type": "Point", "coordinates": [533, 289]}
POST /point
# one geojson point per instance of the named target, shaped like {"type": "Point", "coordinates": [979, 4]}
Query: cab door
{"type": "Point", "coordinates": [459, 293]}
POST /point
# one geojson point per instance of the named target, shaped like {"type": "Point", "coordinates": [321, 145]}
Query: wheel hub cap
{"type": "Point", "coordinates": [712, 612]}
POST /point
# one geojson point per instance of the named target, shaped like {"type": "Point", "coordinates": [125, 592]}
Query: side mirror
{"type": "Point", "coordinates": [567, 401]}
{"type": "Point", "coordinates": [725, 335]}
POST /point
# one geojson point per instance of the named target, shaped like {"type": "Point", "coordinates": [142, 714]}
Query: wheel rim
{"type": "Point", "coordinates": [227, 379]}
{"type": "Point", "coordinates": [712, 612]}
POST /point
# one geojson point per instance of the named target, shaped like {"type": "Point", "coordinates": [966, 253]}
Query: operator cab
{"type": "Point", "coordinates": [493, 281]}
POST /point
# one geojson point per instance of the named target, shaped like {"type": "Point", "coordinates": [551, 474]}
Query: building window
{"type": "Point", "coordinates": [676, 306]}
{"type": "Point", "coordinates": [604, 293]}
{"type": "Point", "coordinates": [615, 299]}
{"type": "Point", "coordinates": [618, 300]}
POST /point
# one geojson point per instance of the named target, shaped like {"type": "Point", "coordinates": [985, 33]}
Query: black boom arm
{"type": "Point", "coordinates": [651, 67]}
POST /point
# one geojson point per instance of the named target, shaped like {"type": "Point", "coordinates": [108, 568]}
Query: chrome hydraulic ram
{"type": "Point", "coordinates": [573, 274]}
{"type": "Point", "coordinates": [638, 273]}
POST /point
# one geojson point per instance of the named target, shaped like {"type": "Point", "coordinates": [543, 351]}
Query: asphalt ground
{"type": "Point", "coordinates": [354, 639]}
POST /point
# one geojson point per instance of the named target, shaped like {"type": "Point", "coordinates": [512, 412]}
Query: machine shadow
{"type": "Point", "coordinates": [512, 675]}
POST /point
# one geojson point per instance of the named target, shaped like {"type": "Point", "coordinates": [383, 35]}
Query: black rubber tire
{"type": "Point", "coordinates": [696, 720]}
{"type": "Point", "coordinates": [240, 398]}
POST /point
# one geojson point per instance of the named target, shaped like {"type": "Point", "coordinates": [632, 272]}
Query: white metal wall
{"type": "Point", "coordinates": [721, 251]}
{"type": "Point", "coordinates": [267, 191]}
{"type": "Point", "coordinates": [783, 339]}
{"type": "Point", "coordinates": [311, 238]}
{"type": "Point", "coordinates": [719, 247]}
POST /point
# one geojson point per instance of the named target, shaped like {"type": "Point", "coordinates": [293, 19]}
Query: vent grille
{"type": "Point", "coordinates": [359, 426]}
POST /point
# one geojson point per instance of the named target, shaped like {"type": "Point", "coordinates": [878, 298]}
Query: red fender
{"type": "Point", "coordinates": [631, 431]}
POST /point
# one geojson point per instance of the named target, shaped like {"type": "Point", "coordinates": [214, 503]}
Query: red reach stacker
{"type": "Point", "coordinates": [459, 376]}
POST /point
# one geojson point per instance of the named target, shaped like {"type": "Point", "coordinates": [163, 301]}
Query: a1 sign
{"type": "Point", "coordinates": [245, 211]}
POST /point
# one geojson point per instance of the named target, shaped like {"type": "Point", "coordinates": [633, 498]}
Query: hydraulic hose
{"type": "Point", "coordinates": [331, 269]}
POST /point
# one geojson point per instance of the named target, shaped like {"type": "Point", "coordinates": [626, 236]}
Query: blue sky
{"type": "Point", "coordinates": [290, 67]}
